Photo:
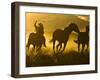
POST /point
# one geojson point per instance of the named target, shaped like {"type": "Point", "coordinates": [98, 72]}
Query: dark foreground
{"type": "Point", "coordinates": [65, 58]}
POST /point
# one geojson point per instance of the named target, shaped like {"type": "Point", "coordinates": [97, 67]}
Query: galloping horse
{"type": "Point", "coordinates": [36, 40]}
{"type": "Point", "coordinates": [62, 36]}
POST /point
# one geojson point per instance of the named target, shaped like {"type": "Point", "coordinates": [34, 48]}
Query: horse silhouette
{"type": "Point", "coordinates": [36, 40]}
{"type": "Point", "coordinates": [83, 38]}
{"type": "Point", "coordinates": [62, 36]}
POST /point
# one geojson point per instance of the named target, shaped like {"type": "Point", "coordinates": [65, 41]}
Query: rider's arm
{"type": "Point", "coordinates": [35, 24]}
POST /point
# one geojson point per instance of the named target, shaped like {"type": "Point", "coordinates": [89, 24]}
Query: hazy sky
{"type": "Point", "coordinates": [53, 21]}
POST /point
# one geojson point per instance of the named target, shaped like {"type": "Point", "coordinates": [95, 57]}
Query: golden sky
{"type": "Point", "coordinates": [52, 22]}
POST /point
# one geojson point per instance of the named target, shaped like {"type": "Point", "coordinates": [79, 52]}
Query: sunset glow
{"type": "Point", "coordinates": [52, 22]}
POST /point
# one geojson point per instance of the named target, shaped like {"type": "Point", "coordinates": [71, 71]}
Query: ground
{"type": "Point", "coordinates": [45, 58]}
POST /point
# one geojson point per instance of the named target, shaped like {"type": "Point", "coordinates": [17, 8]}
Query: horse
{"type": "Point", "coordinates": [62, 36]}
{"type": "Point", "coordinates": [83, 38]}
{"type": "Point", "coordinates": [36, 40]}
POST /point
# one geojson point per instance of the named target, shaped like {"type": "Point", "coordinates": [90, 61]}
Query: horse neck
{"type": "Point", "coordinates": [68, 30]}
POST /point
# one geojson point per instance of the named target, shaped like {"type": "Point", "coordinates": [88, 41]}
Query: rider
{"type": "Point", "coordinates": [39, 28]}
{"type": "Point", "coordinates": [40, 32]}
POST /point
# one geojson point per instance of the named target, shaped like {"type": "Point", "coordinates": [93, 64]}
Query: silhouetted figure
{"type": "Point", "coordinates": [83, 38]}
{"type": "Point", "coordinates": [39, 28]}
{"type": "Point", "coordinates": [36, 41]}
{"type": "Point", "coordinates": [62, 36]}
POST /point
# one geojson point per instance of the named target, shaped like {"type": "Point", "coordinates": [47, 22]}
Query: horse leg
{"type": "Point", "coordinates": [38, 49]}
{"type": "Point", "coordinates": [44, 44]}
{"type": "Point", "coordinates": [33, 47]}
{"type": "Point", "coordinates": [40, 46]}
{"type": "Point", "coordinates": [83, 45]}
{"type": "Point", "coordinates": [78, 47]}
{"type": "Point", "coordinates": [64, 47]}
{"type": "Point", "coordinates": [58, 47]}
{"type": "Point", "coordinates": [87, 46]}
{"type": "Point", "coordinates": [54, 46]}
{"type": "Point", "coordinates": [43, 40]}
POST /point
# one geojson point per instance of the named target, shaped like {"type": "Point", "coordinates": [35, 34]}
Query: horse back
{"type": "Point", "coordinates": [58, 33]}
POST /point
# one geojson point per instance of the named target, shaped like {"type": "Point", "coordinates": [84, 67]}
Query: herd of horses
{"type": "Point", "coordinates": [62, 36]}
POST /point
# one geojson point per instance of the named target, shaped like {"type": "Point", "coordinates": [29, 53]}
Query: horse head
{"type": "Point", "coordinates": [72, 27]}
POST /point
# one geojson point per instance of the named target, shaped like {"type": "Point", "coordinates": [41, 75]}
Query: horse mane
{"type": "Point", "coordinates": [71, 27]}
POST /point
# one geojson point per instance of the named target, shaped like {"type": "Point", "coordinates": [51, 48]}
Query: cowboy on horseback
{"type": "Point", "coordinates": [39, 32]}
{"type": "Point", "coordinates": [37, 39]}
